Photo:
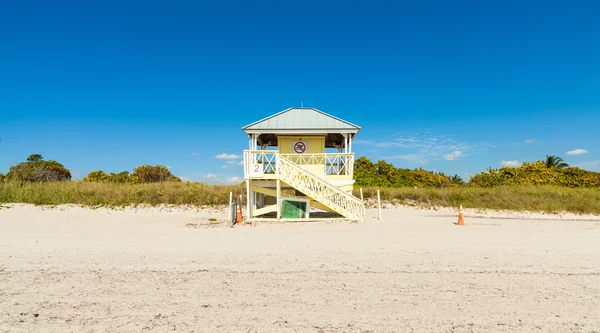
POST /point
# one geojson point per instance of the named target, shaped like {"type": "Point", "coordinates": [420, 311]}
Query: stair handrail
{"type": "Point", "coordinates": [319, 179]}
{"type": "Point", "coordinates": [346, 195]}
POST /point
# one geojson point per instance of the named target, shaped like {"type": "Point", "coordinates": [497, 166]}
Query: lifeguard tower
{"type": "Point", "coordinates": [308, 155]}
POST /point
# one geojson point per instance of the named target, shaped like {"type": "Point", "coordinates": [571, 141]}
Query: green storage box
{"type": "Point", "coordinates": [294, 208]}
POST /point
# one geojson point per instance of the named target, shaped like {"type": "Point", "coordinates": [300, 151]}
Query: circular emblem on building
{"type": "Point", "coordinates": [299, 147]}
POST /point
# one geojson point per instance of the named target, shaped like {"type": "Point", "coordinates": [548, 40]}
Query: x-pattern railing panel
{"type": "Point", "coordinates": [268, 159]}
{"type": "Point", "coordinates": [334, 164]}
{"type": "Point", "coordinates": [322, 191]}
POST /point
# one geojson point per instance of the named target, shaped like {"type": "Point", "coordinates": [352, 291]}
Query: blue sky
{"type": "Point", "coordinates": [453, 86]}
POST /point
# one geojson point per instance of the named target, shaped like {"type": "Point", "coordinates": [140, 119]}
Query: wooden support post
{"type": "Point", "coordinates": [229, 209]}
{"type": "Point", "coordinates": [363, 200]}
{"type": "Point", "coordinates": [350, 143]}
{"type": "Point", "coordinates": [379, 204]}
{"type": "Point", "coordinates": [248, 213]}
{"type": "Point", "coordinates": [278, 198]}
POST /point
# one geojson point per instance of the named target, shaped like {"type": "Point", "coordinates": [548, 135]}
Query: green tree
{"type": "Point", "coordinates": [152, 174]}
{"type": "Point", "coordinates": [103, 177]}
{"type": "Point", "coordinates": [553, 161]}
{"type": "Point", "coordinates": [365, 172]}
{"type": "Point", "coordinates": [383, 174]}
{"type": "Point", "coordinates": [457, 180]}
{"type": "Point", "coordinates": [121, 177]}
{"type": "Point", "coordinates": [385, 171]}
{"type": "Point", "coordinates": [37, 170]}
{"type": "Point", "coordinates": [35, 158]}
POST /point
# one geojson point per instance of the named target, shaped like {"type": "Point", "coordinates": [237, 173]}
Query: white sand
{"type": "Point", "coordinates": [82, 270]}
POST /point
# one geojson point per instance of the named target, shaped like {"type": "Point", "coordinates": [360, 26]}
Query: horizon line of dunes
{"type": "Point", "coordinates": [531, 187]}
{"type": "Point", "coordinates": [553, 171]}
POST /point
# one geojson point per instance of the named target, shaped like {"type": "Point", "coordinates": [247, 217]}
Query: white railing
{"type": "Point", "coordinates": [333, 164]}
{"type": "Point", "coordinates": [339, 164]}
{"type": "Point", "coordinates": [320, 190]}
{"type": "Point", "coordinates": [266, 160]}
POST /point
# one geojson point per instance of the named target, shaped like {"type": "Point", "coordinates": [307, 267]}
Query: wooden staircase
{"type": "Point", "coordinates": [319, 189]}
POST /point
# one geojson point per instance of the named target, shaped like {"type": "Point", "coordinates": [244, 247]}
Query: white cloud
{"type": "Point", "coordinates": [408, 157]}
{"type": "Point", "coordinates": [530, 141]}
{"type": "Point", "coordinates": [193, 154]}
{"type": "Point", "coordinates": [591, 165]}
{"type": "Point", "coordinates": [214, 179]}
{"type": "Point", "coordinates": [362, 142]}
{"type": "Point", "coordinates": [422, 148]}
{"type": "Point", "coordinates": [577, 152]}
{"type": "Point", "coordinates": [453, 155]}
{"type": "Point", "coordinates": [229, 163]}
{"type": "Point", "coordinates": [233, 180]}
{"type": "Point", "coordinates": [169, 167]}
{"type": "Point", "coordinates": [511, 164]}
{"type": "Point", "coordinates": [226, 156]}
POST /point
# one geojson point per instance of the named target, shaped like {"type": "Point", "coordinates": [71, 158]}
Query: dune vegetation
{"type": "Point", "coordinates": [538, 198]}
{"type": "Point", "coordinates": [549, 186]}
{"type": "Point", "coordinates": [117, 194]}
{"type": "Point", "coordinates": [551, 199]}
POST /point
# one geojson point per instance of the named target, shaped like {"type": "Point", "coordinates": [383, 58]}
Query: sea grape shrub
{"type": "Point", "coordinates": [536, 173]}
{"type": "Point", "coordinates": [121, 177]}
{"type": "Point", "coordinates": [97, 176]}
{"type": "Point", "coordinates": [152, 174]}
{"type": "Point", "coordinates": [100, 176]}
{"type": "Point", "coordinates": [424, 178]}
{"type": "Point", "coordinates": [38, 170]}
{"type": "Point", "coordinates": [576, 177]}
{"type": "Point", "coordinates": [491, 177]}
{"type": "Point", "coordinates": [383, 174]}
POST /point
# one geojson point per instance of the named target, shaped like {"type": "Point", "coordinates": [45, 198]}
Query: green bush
{"type": "Point", "coordinates": [152, 174]}
{"type": "Point", "coordinates": [102, 177]}
{"type": "Point", "coordinates": [536, 173]}
{"type": "Point", "coordinates": [383, 174]}
{"type": "Point", "coordinates": [97, 176]}
{"type": "Point", "coordinates": [38, 170]}
{"type": "Point", "coordinates": [121, 177]}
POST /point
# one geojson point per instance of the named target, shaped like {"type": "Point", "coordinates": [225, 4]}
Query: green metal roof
{"type": "Point", "coordinates": [301, 120]}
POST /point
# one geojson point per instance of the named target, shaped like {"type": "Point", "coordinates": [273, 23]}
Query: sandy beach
{"type": "Point", "coordinates": [73, 269]}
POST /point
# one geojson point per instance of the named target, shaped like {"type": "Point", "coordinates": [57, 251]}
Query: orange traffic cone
{"type": "Point", "coordinates": [239, 217]}
{"type": "Point", "coordinates": [461, 218]}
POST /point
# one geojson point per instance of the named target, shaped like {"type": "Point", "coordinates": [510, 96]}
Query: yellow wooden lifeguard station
{"type": "Point", "coordinates": [305, 150]}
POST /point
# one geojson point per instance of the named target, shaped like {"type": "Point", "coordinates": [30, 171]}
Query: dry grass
{"type": "Point", "coordinates": [108, 194]}
{"type": "Point", "coordinates": [549, 199]}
